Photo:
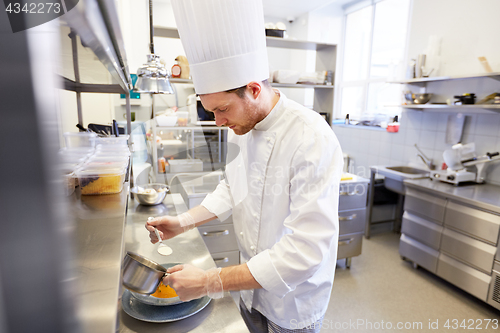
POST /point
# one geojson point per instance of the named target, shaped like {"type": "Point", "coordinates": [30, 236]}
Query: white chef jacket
{"type": "Point", "coordinates": [283, 192]}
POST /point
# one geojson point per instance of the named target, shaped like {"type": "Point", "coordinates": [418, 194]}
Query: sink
{"type": "Point", "coordinates": [408, 170]}
{"type": "Point", "coordinates": [396, 175]}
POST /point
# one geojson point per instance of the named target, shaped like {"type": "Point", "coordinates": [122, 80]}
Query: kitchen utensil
{"type": "Point", "coordinates": [161, 314]}
{"type": "Point", "coordinates": [485, 64]}
{"type": "Point", "coordinates": [452, 159]}
{"type": "Point", "coordinates": [467, 98]}
{"type": "Point", "coordinates": [418, 98]}
{"type": "Point", "coordinates": [454, 128]}
{"type": "Point", "coordinates": [461, 175]}
{"type": "Point", "coordinates": [152, 300]}
{"type": "Point", "coordinates": [419, 69]}
{"type": "Point", "coordinates": [141, 274]}
{"type": "Point", "coordinates": [163, 249]}
{"type": "Point", "coordinates": [150, 199]}
{"type": "Point", "coordinates": [115, 128]}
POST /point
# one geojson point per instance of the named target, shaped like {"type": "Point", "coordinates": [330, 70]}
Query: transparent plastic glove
{"type": "Point", "coordinates": [190, 282]}
{"type": "Point", "coordinates": [168, 227]}
{"type": "Point", "coordinates": [186, 221]}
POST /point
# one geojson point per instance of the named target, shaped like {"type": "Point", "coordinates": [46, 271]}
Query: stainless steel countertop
{"type": "Point", "coordinates": [483, 196]}
{"type": "Point", "coordinates": [221, 315]}
{"type": "Point", "coordinates": [98, 249]}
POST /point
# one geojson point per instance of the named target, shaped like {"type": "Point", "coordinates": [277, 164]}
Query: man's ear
{"type": "Point", "coordinates": [254, 89]}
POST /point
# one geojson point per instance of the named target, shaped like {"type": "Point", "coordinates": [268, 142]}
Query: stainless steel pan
{"type": "Point", "coordinates": [140, 274]}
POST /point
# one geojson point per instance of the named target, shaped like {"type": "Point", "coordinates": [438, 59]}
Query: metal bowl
{"type": "Point", "coordinates": [140, 274]}
{"type": "Point", "coordinates": [151, 300]}
{"type": "Point", "coordinates": [150, 199]}
{"type": "Point", "coordinates": [418, 98]}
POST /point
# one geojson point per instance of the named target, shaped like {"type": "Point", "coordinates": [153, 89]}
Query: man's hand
{"type": "Point", "coordinates": [191, 282]}
{"type": "Point", "coordinates": [168, 226]}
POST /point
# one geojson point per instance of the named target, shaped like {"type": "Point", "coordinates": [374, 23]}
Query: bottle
{"type": "Point", "coordinates": [347, 119]}
{"type": "Point", "coordinates": [176, 70]}
{"type": "Point", "coordinates": [410, 73]}
{"type": "Point", "coordinates": [394, 127]}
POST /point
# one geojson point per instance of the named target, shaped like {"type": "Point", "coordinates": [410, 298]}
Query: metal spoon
{"type": "Point", "coordinates": [163, 249]}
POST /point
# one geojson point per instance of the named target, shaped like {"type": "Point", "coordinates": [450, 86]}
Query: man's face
{"type": "Point", "coordinates": [239, 114]}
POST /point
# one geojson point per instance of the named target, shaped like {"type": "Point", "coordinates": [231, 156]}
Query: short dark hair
{"type": "Point", "coordinates": [241, 90]}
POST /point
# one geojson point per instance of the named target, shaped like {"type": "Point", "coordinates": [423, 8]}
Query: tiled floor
{"type": "Point", "coordinates": [381, 290]}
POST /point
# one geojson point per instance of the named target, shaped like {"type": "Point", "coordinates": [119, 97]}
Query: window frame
{"type": "Point", "coordinates": [365, 83]}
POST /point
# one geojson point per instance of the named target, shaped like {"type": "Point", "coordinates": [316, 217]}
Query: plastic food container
{"type": "Point", "coordinates": [81, 151]}
{"type": "Point", "coordinates": [113, 141]}
{"type": "Point", "coordinates": [107, 158]}
{"type": "Point", "coordinates": [81, 139]}
{"type": "Point", "coordinates": [105, 165]}
{"type": "Point", "coordinates": [113, 148]}
{"type": "Point", "coordinates": [166, 121]}
{"type": "Point", "coordinates": [112, 154]}
{"type": "Point", "coordinates": [96, 181]}
{"type": "Point", "coordinates": [67, 170]}
{"type": "Point", "coordinates": [182, 118]}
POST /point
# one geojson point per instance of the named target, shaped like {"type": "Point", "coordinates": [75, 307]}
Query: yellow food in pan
{"type": "Point", "coordinates": [164, 291]}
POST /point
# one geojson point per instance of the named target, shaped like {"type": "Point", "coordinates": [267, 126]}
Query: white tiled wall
{"type": "Point", "coordinates": [367, 147]}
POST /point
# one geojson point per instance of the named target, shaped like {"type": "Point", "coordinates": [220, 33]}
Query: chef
{"type": "Point", "coordinates": [281, 188]}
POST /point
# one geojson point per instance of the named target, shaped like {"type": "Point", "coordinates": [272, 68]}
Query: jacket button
{"type": "Point", "coordinates": [252, 247]}
{"type": "Point", "coordinates": [241, 233]}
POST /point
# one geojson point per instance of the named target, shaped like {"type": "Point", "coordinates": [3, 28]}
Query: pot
{"type": "Point", "coordinates": [140, 274]}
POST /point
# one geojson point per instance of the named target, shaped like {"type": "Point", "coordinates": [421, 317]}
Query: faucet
{"type": "Point", "coordinates": [427, 161]}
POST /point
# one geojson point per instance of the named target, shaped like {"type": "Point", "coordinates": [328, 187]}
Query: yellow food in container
{"type": "Point", "coordinates": [96, 181]}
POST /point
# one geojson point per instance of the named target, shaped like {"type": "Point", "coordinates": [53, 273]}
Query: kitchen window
{"type": "Point", "coordinates": [375, 35]}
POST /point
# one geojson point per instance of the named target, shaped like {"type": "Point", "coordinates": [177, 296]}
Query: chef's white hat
{"type": "Point", "coordinates": [224, 42]}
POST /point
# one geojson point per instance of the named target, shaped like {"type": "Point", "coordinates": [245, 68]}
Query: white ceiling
{"type": "Point", "coordinates": [295, 8]}
{"type": "Point", "coordinates": [290, 8]}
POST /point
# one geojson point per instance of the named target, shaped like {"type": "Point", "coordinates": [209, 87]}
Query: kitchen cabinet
{"type": "Point", "coordinates": [326, 58]}
{"type": "Point", "coordinates": [453, 233]}
{"type": "Point", "coordinates": [476, 108]}
{"type": "Point", "coordinates": [352, 217]}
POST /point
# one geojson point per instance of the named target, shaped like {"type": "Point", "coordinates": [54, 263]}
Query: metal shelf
{"type": "Point", "coordinates": [495, 76]}
{"type": "Point", "coordinates": [454, 108]}
{"type": "Point", "coordinates": [274, 84]}
{"type": "Point", "coordinates": [96, 23]}
{"type": "Point", "coordinates": [200, 128]}
{"type": "Point", "coordinates": [167, 32]}
{"type": "Point", "coordinates": [297, 44]}
{"type": "Point", "coordinates": [301, 85]}
{"type": "Point", "coordinates": [326, 57]}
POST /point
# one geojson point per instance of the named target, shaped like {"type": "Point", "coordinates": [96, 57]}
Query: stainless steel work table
{"type": "Point", "coordinates": [483, 196]}
{"type": "Point", "coordinates": [98, 246]}
{"type": "Point", "coordinates": [221, 315]}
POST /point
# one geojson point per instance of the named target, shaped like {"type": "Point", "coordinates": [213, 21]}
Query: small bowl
{"type": "Point", "coordinates": [150, 199]}
{"type": "Point", "coordinates": [418, 98]}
